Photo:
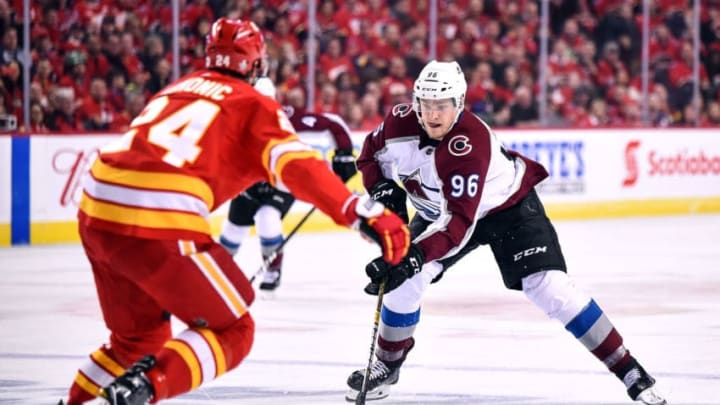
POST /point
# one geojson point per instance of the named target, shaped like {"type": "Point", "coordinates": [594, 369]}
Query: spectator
{"type": "Point", "coordinates": [371, 112]}
{"type": "Point", "coordinates": [37, 95]}
{"type": "Point", "coordinates": [415, 58]}
{"type": "Point", "coordinates": [659, 110]}
{"type": "Point", "coordinates": [134, 105]}
{"type": "Point", "coordinates": [160, 76]}
{"type": "Point", "coordinates": [396, 85]}
{"type": "Point", "coordinates": [45, 75]}
{"type": "Point", "coordinates": [75, 73]}
{"type": "Point", "coordinates": [597, 116]}
{"type": "Point", "coordinates": [327, 101]}
{"type": "Point", "coordinates": [609, 65]}
{"type": "Point", "coordinates": [524, 109]}
{"type": "Point", "coordinates": [11, 88]}
{"type": "Point", "coordinates": [37, 119]}
{"type": "Point", "coordinates": [355, 118]}
{"type": "Point", "coordinates": [94, 112]}
{"type": "Point", "coordinates": [9, 50]}
{"type": "Point", "coordinates": [334, 61]}
{"type": "Point", "coordinates": [97, 64]}
{"type": "Point", "coordinates": [62, 115]}
{"type": "Point", "coordinates": [713, 115]}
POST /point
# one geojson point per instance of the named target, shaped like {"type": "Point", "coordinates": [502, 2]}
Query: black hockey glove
{"type": "Point", "coordinates": [343, 164]}
{"type": "Point", "coordinates": [379, 269]}
{"type": "Point", "coordinates": [392, 196]}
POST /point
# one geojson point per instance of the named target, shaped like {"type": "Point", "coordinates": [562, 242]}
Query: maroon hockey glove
{"type": "Point", "coordinates": [378, 270]}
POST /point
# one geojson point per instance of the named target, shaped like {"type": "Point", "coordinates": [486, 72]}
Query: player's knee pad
{"type": "Point", "coordinates": [237, 340]}
{"type": "Point", "coordinates": [407, 298]}
{"type": "Point", "coordinates": [554, 293]}
{"type": "Point", "coordinates": [268, 221]}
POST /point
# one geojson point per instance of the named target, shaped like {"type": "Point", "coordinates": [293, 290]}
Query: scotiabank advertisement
{"type": "Point", "coordinates": [653, 162]}
{"type": "Point", "coordinates": [621, 165]}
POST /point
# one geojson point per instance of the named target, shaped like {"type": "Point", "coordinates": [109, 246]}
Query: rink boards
{"type": "Point", "coordinates": [596, 173]}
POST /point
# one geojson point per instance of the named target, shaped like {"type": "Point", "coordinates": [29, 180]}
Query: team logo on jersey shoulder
{"type": "Point", "coordinates": [401, 110]}
{"type": "Point", "coordinates": [459, 145]}
{"type": "Point", "coordinates": [309, 121]}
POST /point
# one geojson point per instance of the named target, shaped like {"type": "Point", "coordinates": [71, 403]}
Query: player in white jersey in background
{"type": "Point", "coordinates": [263, 205]}
{"type": "Point", "coordinates": [468, 191]}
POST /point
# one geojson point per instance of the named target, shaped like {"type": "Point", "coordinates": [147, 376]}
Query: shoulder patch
{"type": "Point", "coordinates": [401, 110]}
{"type": "Point", "coordinates": [459, 145]}
{"type": "Point", "coordinates": [309, 120]}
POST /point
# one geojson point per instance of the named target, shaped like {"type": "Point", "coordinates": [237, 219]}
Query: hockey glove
{"type": "Point", "coordinates": [381, 225]}
{"type": "Point", "coordinates": [378, 270]}
{"type": "Point", "coordinates": [343, 164]}
{"type": "Point", "coordinates": [392, 196]}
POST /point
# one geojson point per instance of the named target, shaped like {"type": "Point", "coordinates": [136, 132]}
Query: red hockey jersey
{"type": "Point", "coordinates": [199, 142]}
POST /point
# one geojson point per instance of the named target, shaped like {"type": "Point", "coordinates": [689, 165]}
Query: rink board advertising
{"type": "Point", "coordinates": [593, 173]}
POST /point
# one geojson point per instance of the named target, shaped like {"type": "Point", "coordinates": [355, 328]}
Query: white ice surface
{"type": "Point", "coordinates": [658, 280]}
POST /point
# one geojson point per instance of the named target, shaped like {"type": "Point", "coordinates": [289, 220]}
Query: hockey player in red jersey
{"type": "Point", "coordinates": [144, 223]}
{"type": "Point", "coordinates": [468, 191]}
{"type": "Point", "coordinates": [265, 206]}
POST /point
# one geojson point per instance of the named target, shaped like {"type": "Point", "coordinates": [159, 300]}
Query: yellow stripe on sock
{"type": "Point", "coordinates": [220, 364]}
{"type": "Point", "coordinates": [107, 363]}
{"type": "Point", "coordinates": [189, 358]}
{"type": "Point", "coordinates": [87, 385]}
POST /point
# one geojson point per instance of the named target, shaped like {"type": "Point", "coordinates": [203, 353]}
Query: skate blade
{"type": "Point", "coordinates": [268, 294]}
{"type": "Point", "coordinates": [378, 393]}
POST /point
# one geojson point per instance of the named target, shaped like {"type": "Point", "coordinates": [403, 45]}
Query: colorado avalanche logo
{"type": "Point", "coordinates": [459, 145]}
{"type": "Point", "coordinates": [401, 110]}
{"type": "Point", "coordinates": [413, 185]}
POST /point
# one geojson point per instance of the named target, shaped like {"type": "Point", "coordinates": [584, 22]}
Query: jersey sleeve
{"type": "Point", "coordinates": [463, 179]}
{"type": "Point", "coordinates": [296, 167]}
{"type": "Point", "coordinates": [310, 180]}
{"type": "Point", "coordinates": [340, 132]}
{"type": "Point", "coordinates": [366, 162]}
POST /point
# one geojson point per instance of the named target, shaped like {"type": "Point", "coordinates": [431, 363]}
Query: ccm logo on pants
{"type": "Point", "coordinates": [529, 252]}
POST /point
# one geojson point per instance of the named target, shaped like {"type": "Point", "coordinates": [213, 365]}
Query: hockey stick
{"type": "Point", "coordinates": [266, 262]}
{"type": "Point", "coordinates": [360, 400]}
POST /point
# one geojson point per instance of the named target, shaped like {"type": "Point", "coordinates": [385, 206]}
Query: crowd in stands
{"type": "Point", "coordinates": [96, 62]}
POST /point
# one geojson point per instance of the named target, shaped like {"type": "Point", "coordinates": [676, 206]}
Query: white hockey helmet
{"type": "Point", "coordinates": [265, 87]}
{"type": "Point", "coordinates": [438, 81]}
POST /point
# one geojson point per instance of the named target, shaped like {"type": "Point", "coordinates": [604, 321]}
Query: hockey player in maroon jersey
{"type": "Point", "coordinates": [469, 191]}
{"type": "Point", "coordinates": [144, 223]}
{"type": "Point", "coordinates": [265, 206]}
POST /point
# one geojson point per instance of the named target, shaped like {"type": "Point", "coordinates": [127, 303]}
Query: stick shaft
{"type": "Point", "coordinates": [360, 400]}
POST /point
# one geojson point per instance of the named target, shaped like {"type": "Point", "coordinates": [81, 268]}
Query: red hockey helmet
{"type": "Point", "coordinates": [235, 45]}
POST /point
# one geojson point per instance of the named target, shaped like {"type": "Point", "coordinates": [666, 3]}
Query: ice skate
{"type": "Point", "coordinates": [643, 388]}
{"type": "Point", "coordinates": [271, 278]}
{"type": "Point", "coordinates": [133, 387]}
{"type": "Point", "coordinates": [378, 385]}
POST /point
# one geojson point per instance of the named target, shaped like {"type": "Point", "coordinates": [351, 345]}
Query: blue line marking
{"type": "Point", "coordinates": [20, 184]}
